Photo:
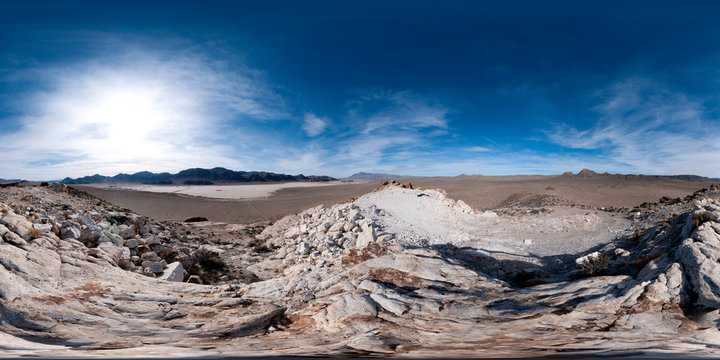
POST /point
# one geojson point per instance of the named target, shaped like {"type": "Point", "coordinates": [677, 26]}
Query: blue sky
{"type": "Point", "coordinates": [337, 87]}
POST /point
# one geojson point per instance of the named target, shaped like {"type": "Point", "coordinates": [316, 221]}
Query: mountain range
{"type": "Point", "coordinates": [373, 176]}
{"type": "Point", "coordinates": [588, 174]}
{"type": "Point", "coordinates": [196, 176]}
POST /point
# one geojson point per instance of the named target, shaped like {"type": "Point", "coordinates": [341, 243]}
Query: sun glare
{"type": "Point", "coordinates": [127, 119]}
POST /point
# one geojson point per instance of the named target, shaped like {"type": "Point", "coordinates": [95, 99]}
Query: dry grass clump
{"type": "Point", "coordinates": [641, 262]}
{"type": "Point", "coordinates": [35, 233]}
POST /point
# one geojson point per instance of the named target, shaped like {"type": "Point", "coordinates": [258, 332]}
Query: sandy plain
{"type": "Point", "coordinates": [270, 202]}
{"type": "Point", "coordinates": [226, 192]}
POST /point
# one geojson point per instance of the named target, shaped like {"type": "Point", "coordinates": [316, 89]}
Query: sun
{"type": "Point", "coordinates": [128, 114]}
{"type": "Point", "coordinates": [127, 120]}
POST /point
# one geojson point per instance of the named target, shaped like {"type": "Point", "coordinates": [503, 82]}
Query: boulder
{"type": "Point", "coordinates": [464, 208]}
{"type": "Point", "coordinates": [351, 306]}
{"type": "Point", "coordinates": [108, 236]}
{"type": "Point", "coordinates": [114, 252]}
{"type": "Point", "coordinates": [126, 232]}
{"type": "Point", "coordinates": [173, 272]}
{"type": "Point", "coordinates": [366, 237]}
{"type": "Point", "coordinates": [90, 235]}
{"type": "Point", "coordinates": [70, 232]}
{"type": "Point", "coordinates": [11, 237]}
{"type": "Point", "coordinates": [17, 224]}
{"type": "Point", "coordinates": [699, 258]}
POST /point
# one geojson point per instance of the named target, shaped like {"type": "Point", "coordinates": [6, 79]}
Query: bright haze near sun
{"type": "Point", "coordinates": [334, 88]}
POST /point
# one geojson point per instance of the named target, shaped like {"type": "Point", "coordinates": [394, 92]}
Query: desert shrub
{"type": "Point", "coordinates": [35, 233]}
{"type": "Point", "coordinates": [637, 235]}
{"type": "Point", "coordinates": [593, 266]}
{"type": "Point", "coordinates": [702, 217]}
{"type": "Point", "coordinates": [209, 260]}
{"type": "Point", "coordinates": [259, 246]}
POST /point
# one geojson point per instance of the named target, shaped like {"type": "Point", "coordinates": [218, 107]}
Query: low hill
{"type": "Point", "coordinates": [195, 176]}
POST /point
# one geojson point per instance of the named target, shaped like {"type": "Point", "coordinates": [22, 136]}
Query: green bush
{"type": "Point", "coordinates": [594, 266]}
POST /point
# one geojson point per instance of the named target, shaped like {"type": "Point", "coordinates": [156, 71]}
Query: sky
{"type": "Point", "coordinates": [337, 87]}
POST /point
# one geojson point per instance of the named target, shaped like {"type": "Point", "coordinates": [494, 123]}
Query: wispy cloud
{"type": "Point", "coordinates": [477, 149]}
{"type": "Point", "coordinates": [314, 125]}
{"type": "Point", "coordinates": [380, 129]}
{"type": "Point", "coordinates": [381, 110]}
{"type": "Point", "coordinates": [648, 128]}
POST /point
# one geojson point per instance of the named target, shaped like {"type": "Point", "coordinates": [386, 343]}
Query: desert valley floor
{"type": "Point", "coordinates": [581, 264]}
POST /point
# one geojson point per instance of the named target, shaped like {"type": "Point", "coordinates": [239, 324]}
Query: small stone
{"type": "Point", "coordinates": [622, 252]}
{"type": "Point", "coordinates": [126, 264]}
{"type": "Point", "coordinates": [131, 243]}
{"type": "Point", "coordinates": [150, 256]}
{"type": "Point", "coordinates": [148, 272]}
{"type": "Point", "coordinates": [43, 227]}
{"type": "Point", "coordinates": [194, 279]}
{"type": "Point", "coordinates": [153, 240]}
{"type": "Point", "coordinates": [384, 238]}
{"type": "Point", "coordinates": [303, 248]}
{"type": "Point", "coordinates": [336, 227]}
{"type": "Point", "coordinates": [154, 266]}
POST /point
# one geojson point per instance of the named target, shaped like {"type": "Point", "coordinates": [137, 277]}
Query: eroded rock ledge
{"type": "Point", "coordinates": [352, 279]}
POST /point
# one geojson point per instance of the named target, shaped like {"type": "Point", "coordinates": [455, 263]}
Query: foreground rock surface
{"type": "Point", "coordinates": [368, 277]}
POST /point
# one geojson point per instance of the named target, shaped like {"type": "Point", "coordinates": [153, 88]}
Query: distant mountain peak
{"type": "Point", "coordinates": [587, 173]}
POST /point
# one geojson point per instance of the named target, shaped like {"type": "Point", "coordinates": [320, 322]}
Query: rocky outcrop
{"type": "Point", "coordinates": [346, 280]}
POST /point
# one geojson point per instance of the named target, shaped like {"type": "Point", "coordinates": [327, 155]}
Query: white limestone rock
{"type": "Point", "coordinates": [366, 237]}
{"type": "Point", "coordinates": [174, 272]}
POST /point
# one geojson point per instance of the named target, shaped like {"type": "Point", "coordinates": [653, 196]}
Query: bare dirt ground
{"type": "Point", "coordinates": [611, 191]}
{"type": "Point", "coordinates": [177, 207]}
{"type": "Point", "coordinates": [480, 192]}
